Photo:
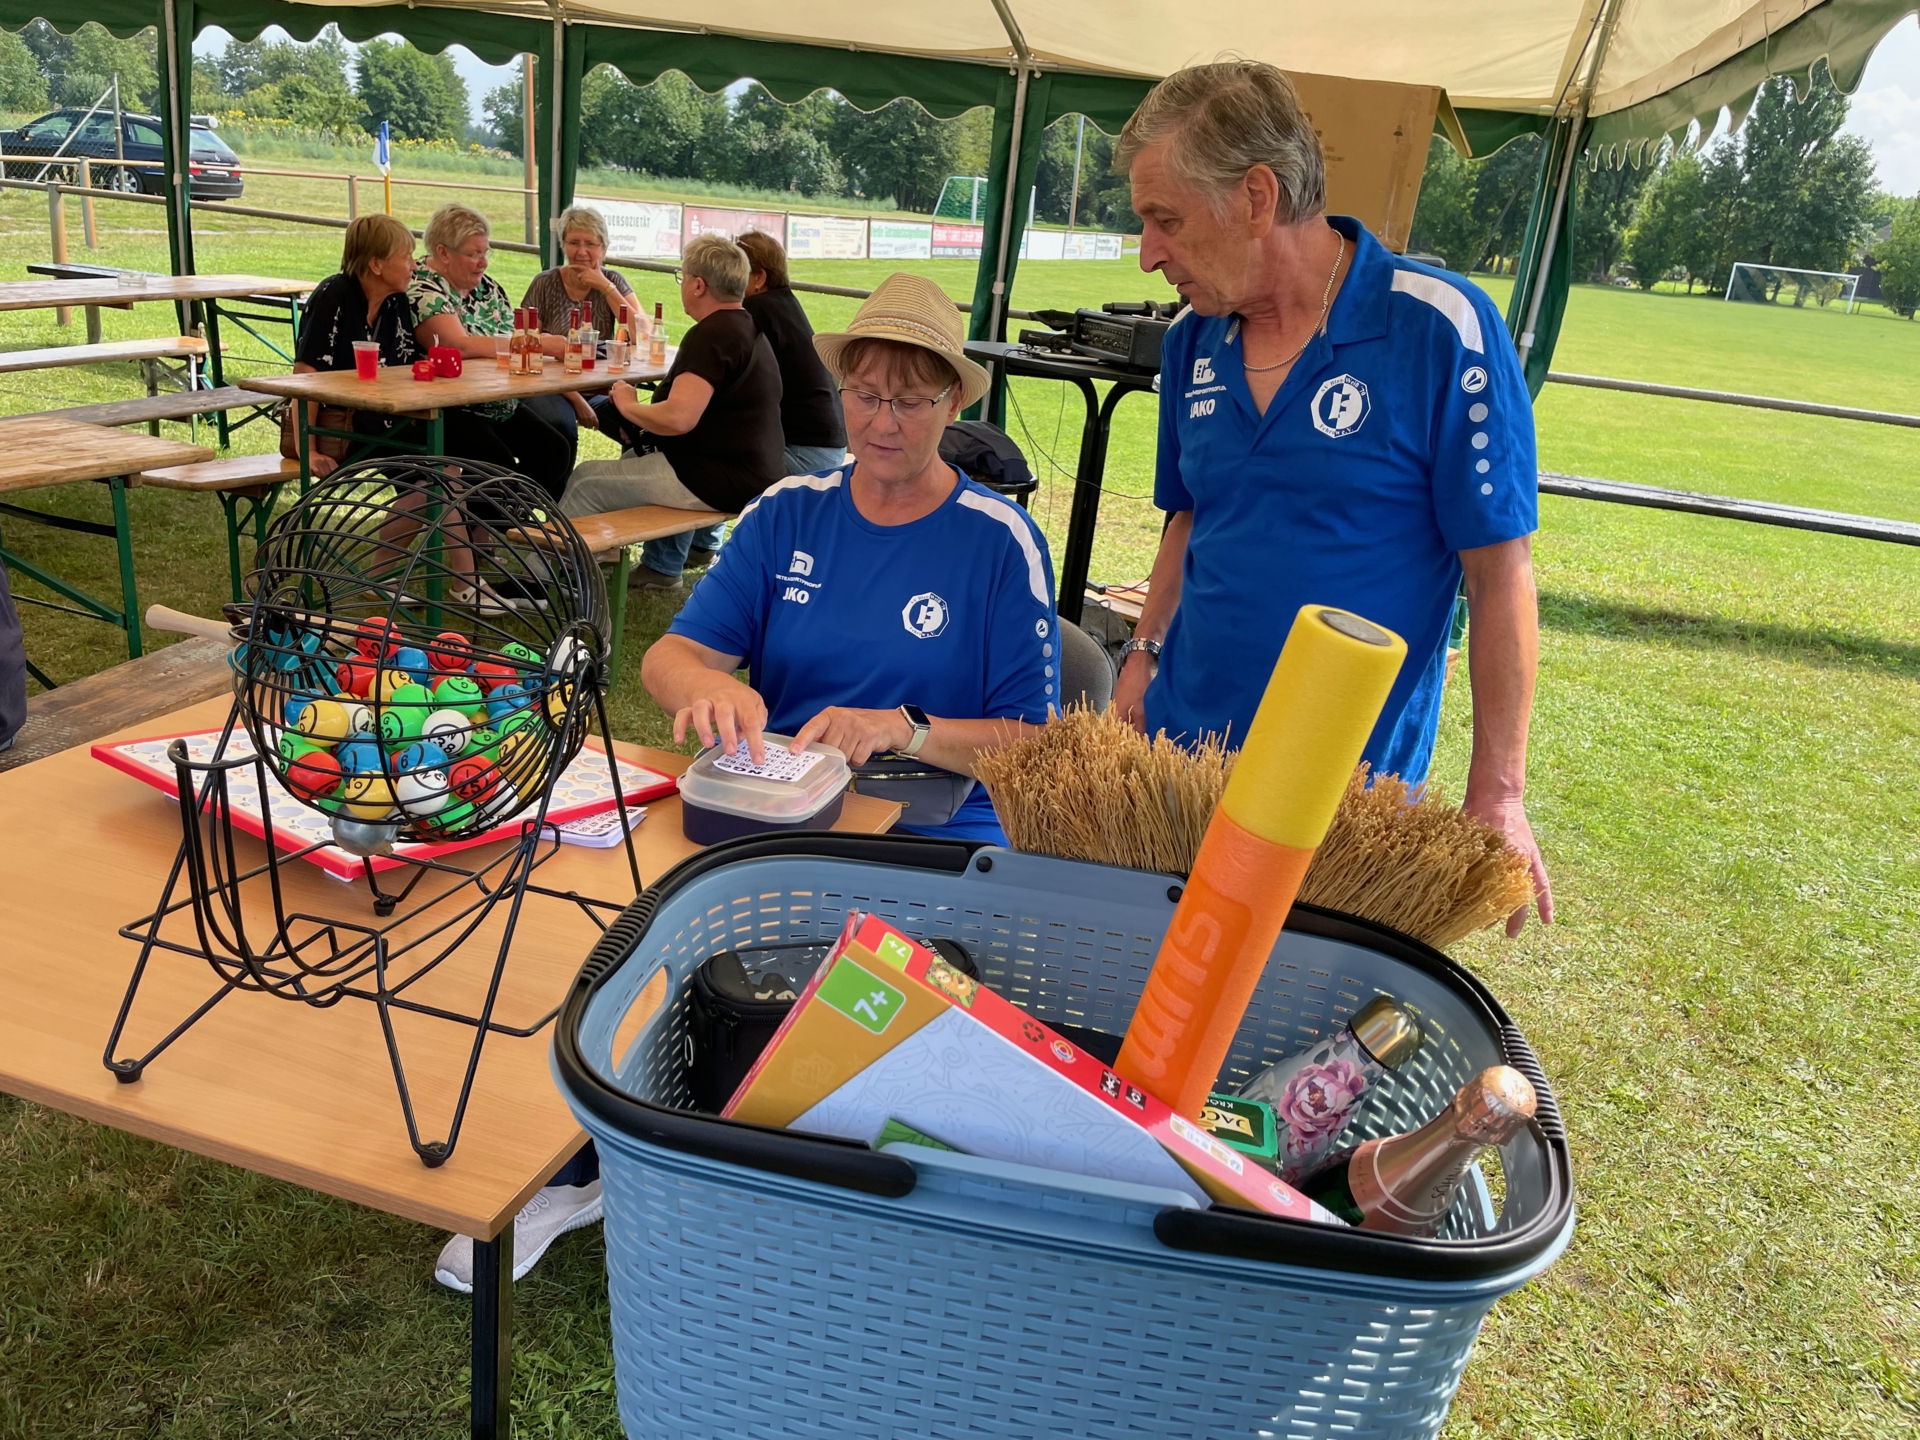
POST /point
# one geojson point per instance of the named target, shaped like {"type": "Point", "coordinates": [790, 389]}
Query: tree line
{"type": "Point", "coordinates": [1786, 189]}
{"type": "Point", "coordinates": [821, 148]}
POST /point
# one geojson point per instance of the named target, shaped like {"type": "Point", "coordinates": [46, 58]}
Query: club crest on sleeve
{"type": "Point", "coordinates": [925, 615]}
{"type": "Point", "coordinates": [1474, 380]}
{"type": "Point", "coordinates": [1340, 406]}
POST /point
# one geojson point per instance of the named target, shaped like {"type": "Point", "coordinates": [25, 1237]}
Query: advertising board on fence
{"type": "Point", "coordinates": [701, 220]}
{"type": "Point", "coordinates": [899, 240]}
{"type": "Point", "coordinates": [640, 231]}
{"type": "Point", "coordinates": [826, 237]}
{"type": "Point", "coordinates": [957, 242]}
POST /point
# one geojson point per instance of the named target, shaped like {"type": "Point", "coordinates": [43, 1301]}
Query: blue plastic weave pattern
{"type": "Point", "coordinates": [999, 1301]}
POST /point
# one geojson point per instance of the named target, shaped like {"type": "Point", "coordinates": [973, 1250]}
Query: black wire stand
{"type": "Point", "coordinates": [366, 553]}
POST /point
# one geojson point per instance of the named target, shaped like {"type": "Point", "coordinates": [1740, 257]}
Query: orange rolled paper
{"type": "Point", "coordinates": [1328, 687]}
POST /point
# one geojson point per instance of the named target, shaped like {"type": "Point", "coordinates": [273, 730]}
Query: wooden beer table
{"type": "Point", "coordinates": [394, 391]}
{"type": "Point", "coordinates": [285, 1089]}
{"type": "Point", "coordinates": [37, 451]}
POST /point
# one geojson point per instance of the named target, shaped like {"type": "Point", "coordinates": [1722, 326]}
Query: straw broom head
{"type": "Point", "coordinates": [1088, 786]}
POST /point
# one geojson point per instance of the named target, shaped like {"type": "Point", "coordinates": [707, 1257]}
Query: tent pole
{"type": "Point", "coordinates": [1555, 223]}
{"type": "Point", "coordinates": [997, 315]}
{"type": "Point", "coordinates": [529, 146]}
{"type": "Point", "coordinates": [558, 84]}
{"type": "Point", "coordinates": [1556, 215]}
{"type": "Point", "coordinates": [174, 49]}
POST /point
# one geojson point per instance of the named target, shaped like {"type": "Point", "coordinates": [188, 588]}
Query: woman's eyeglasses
{"type": "Point", "coordinates": [905, 407]}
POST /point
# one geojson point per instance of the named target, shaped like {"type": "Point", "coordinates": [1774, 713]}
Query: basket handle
{"type": "Point", "coordinates": [1546, 1110]}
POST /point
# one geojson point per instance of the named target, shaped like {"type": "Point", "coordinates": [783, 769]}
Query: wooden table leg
{"type": "Point", "coordinates": [493, 1336]}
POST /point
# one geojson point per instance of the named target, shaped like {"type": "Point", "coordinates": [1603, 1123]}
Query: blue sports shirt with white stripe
{"type": "Point", "coordinates": [952, 612]}
{"type": "Point", "coordinates": [1402, 436]}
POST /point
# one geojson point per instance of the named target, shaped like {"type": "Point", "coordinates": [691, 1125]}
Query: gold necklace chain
{"type": "Point", "coordinates": [1326, 308]}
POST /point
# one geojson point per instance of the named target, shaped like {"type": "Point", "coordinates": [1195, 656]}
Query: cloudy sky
{"type": "Point", "coordinates": [1886, 109]}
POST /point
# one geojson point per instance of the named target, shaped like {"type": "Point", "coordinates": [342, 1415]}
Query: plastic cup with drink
{"type": "Point", "coordinates": [366, 359]}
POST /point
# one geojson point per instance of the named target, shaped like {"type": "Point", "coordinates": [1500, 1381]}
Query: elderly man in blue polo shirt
{"type": "Point", "coordinates": [1337, 425]}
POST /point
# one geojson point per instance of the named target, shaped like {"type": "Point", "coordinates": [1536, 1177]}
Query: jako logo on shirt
{"type": "Point", "coordinates": [925, 615]}
{"type": "Point", "coordinates": [1474, 381]}
{"type": "Point", "coordinates": [1341, 406]}
{"type": "Point", "coordinates": [1203, 370]}
{"type": "Point", "coordinates": [802, 563]}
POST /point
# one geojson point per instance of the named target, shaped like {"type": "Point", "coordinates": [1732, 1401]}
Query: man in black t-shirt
{"type": "Point", "coordinates": [711, 439]}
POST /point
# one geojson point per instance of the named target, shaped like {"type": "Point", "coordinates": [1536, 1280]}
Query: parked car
{"type": "Point", "coordinates": [214, 170]}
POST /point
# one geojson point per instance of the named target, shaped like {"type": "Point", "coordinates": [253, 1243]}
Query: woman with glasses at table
{"type": "Point", "coordinates": [711, 439]}
{"type": "Point", "coordinates": [583, 282]}
{"type": "Point", "coordinates": [458, 305]}
{"type": "Point", "coordinates": [887, 605]}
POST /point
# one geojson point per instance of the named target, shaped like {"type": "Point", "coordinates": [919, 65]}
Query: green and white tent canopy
{"type": "Point", "coordinates": [1604, 77]}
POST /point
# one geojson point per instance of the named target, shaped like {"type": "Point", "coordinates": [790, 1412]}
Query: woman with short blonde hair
{"type": "Point", "coordinates": [585, 283]}
{"type": "Point", "coordinates": [458, 305]}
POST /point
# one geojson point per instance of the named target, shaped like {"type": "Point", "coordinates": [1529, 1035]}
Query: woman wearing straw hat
{"type": "Point", "coordinates": [887, 605]}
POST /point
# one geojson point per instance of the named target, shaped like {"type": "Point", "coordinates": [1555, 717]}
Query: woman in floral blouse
{"type": "Point", "coordinates": [457, 304]}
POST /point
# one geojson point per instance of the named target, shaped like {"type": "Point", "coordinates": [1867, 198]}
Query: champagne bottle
{"type": "Point", "coordinates": [657, 342]}
{"type": "Point", "coordinates": [573, 341]}
{"type": "Point", "coordinates": [1315, 1093]}
{"type": "Point", "coordinates": [523, 342]}
{"type": "Point", "coordinates": [1404, 1185]}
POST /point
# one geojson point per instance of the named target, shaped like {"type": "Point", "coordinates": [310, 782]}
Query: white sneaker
{"type": "Point", "coordinates": [545, 1218]}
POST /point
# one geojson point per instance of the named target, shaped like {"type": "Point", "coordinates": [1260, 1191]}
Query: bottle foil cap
{"type": "Point", "coordinates": [1386, 1031]}
{"type": "Point", "coordinates": [1494, 1106]}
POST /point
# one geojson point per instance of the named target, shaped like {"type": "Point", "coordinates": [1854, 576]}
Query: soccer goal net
{"type": "Point", "coordinates": [1782, 284]}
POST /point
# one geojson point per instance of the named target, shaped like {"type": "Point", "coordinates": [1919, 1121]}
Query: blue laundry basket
{"type": "Point", "coordinates": [768, 1284]}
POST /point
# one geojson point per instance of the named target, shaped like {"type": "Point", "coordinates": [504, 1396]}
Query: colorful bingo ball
{"type": "Point", "coordinates": [474, 779]}
{"type": "Point", "coordinates": [399, 724]}
{"type": "Point", "coordinates": [366, 797]}
{"type": "Point", "coordinates": [449, 729]}
{"type": "Point", "coordinates": [326, 720]}
{"type": "Point", "coordinates": [290, 708]}
{"type": "Point", "coordinates": [458, 692]}
{"type": "Point", "coordinates": [422, 793]}
{"type": "Point", "coordinates": [559, 699]}
{"type": "Point", "coordinates": [450, 653]}
{"type": "Point", "coordinates": [314, 775]}
{"type": "Point", "coordinates": [513, 649]}
{"type": "Point", "coordinates": [491, 673]}
{"type": "Point", "coordinates": [505, 700]}
{"type": "Point", "coordinates": [457, 813]}
{"type": "Point", "coordinates": [359, 757]}
{"type": "Point", "coordinates": [420, 755]}
{"type": "Point", "coordinates": [481, 738]}
{"type": "Point", "coordinates": [354, 677]}
{"type": "Point", "coordinates": [413, 660]}
{"type": "Point", "coordinates": [511, 745]}
{"type": "Point", "coordinates": [386, 683]}
{"type": "Point", "coordinates": [414, 697]}
{"type": "Point", "coordinates": [292, 745]}
{"type": "Point", "coordinates": [374, 639]}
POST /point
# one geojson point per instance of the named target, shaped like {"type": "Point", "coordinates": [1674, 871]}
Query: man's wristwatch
{"type": "Point", "coordinates": [922, 727]}
{"type": "Point", "coordinates": [1150, 647]}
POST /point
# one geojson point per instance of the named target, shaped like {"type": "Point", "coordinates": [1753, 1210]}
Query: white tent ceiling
{"type": "Point", "coordinates": [1486, 54]}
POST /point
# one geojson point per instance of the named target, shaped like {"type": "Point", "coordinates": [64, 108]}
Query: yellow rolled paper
{"type": "Point", "coordinates": [1326, 693]}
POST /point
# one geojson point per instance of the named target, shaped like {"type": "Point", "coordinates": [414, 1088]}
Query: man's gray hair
{"type": "Point", "coordinates": [718, 261]}
{"type": "Point", "coordinates": [1223, 119]}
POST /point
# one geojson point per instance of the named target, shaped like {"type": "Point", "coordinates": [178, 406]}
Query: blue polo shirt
{"type": "Point", "coordinates": [952, 612]}
{"type": "Point", "coordinates": [1402, 435]}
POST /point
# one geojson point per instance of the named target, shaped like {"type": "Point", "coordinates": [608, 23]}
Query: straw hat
{"type": "Point", "coordinates": [910, 310]}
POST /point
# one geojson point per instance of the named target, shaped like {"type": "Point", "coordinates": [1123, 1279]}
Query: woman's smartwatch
{"type": "Point", "coordinates": [922, 727]}
{"type": "Point", "coordinates": [1150, 647]}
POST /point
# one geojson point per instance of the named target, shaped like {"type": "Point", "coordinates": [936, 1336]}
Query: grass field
{"type": "Point", "coordinates": [1723, 783]}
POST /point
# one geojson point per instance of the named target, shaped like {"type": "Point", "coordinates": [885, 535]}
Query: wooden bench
{"type": "Point", "coordinates": [249, 481]}
{"type": "Point", "coordinates": [190, 348]}
{"type": "Point", "coordinates": [120, 696]}
{"type": "Point", "coordinates": [611, 535]}
{"type": "Point", "coordinates": [150, 410]}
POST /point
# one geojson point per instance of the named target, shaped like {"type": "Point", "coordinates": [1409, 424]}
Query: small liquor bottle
{"type": "Point", "coordinates": [523, 342]}
{"type": "Point", "coordinates": [573, 341]}
{"type": "Point", "coordinates": [657, 338]}
{"type": "Point", "coordinates": [1316, 1092]}
{"type": "Point", "coordinates": [1404, 1185]}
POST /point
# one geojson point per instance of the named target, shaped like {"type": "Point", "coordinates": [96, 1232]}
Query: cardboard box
{"type": "Point", "coordinates": [988, 1079]}
{"type": "Point", "coordinates": [853, 1011]}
